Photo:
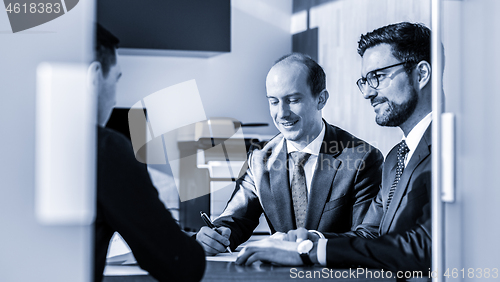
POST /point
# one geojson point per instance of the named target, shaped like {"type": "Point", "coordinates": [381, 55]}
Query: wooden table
{"type": "Point", "coordinates": [224, 271]}
{"type": "Point", "coordinates": [228, 271]}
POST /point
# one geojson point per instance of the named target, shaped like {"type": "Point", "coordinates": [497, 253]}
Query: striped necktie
{"type": "Point", "coordinates": [298, 187]}
{"type": "Point", "coordinates": [402, 151]}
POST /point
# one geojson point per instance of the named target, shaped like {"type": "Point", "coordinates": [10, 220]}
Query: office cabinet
{"type": "Point", "coordinates": [190, 26]}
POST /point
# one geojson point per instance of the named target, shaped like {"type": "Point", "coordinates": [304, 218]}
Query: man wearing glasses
{"type": "Point", "coordinates": [396, 231]}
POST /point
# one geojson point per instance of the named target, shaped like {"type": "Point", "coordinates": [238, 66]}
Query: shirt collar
{"type": "Point", "coordinates": [417, 132]}
{"type": "Point", "coordinates": [313, 147]}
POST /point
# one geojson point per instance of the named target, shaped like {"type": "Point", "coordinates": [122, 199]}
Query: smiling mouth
{"type": "Point", "coordinates": [288, 124]}
{"type": "Point", "coordinates": [376, 103]}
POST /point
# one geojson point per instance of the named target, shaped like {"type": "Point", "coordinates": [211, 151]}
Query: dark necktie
{"type": "Point", "coordinates": [298, 187]}
{"type": "Point", "coordinates": [402, 151]}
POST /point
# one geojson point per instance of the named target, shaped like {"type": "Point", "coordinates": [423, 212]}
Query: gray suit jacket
{"type": "Point", "coordinates": [398, 238]}
{"type": "Point", "coordinates": [347, 177]}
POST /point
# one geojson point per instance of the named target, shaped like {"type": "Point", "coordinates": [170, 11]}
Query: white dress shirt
{"type": "Point", "coordinates": [412, 140]}
{"type": "Point", "coordinates": [310, 165]}
{"type": "Point", "coordinates": [415, 135]}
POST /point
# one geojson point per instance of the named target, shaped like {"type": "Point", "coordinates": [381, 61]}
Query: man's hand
{"type": "Point", "coordinates": [270, 251]}
{"type": "Point", "coordinates": [300, 234]}
{"type": "Point", "coordinates": [214, 241]}
{"type": "Point", "coordinates": [278, 236]}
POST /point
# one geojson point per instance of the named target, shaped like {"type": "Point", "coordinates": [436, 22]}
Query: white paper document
{"type": "Point", "coordinates": [225, 257]}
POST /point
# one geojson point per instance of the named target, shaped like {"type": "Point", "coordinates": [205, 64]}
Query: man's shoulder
{"type": "Point", "coordinates": [261, 152]}
{"type": "Point", "coordinates": [105, 135]}
{"type": "Point", "coordinates": [342, 139]}
{"type": "Point", "coordinates": [266, 145]}
{"type": "Point", "coordinates": [110, 141]}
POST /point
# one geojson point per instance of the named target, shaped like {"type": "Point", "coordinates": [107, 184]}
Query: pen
{"type": "Point", "coordinates": [209, 223]}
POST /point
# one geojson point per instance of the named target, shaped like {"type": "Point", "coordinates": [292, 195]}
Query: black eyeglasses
{"type": "Point", "coordinates": [377, 81]}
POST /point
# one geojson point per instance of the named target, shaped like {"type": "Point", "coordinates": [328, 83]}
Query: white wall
{"type": "Point", "coordinates": [230, 85]}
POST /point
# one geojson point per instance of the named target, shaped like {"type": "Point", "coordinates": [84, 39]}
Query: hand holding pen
{"type": "Point", "coordinates": [213, 239]}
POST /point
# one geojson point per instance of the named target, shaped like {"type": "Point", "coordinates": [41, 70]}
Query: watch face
{"type": "Point", "coordinates": [305, 247]}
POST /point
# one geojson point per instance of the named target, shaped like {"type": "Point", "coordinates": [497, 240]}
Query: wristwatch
{"type": "Point", "coordinates": [304, 248]}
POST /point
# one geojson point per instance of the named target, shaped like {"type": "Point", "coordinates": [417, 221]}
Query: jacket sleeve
{"type": "Point", "coordinates": [369, 228]}
{"type": "Point", "coordinates": [366, 185]}
{"type": "Point", "coordinates": [399, 250]}
{"type": "Point", "coordinates": [243, 210]}
{"type": "Point", "coordinates": [130, 205]}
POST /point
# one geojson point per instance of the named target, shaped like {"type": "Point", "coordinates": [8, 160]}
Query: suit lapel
{"type": "Point", "coordinates": [280, 188]}
{"type": "Point", "coordinates": [321, 184]}
{"type": "Point", "coordinates": [326, 169]}
{"type": "Point", "coordinates": [421, 152]}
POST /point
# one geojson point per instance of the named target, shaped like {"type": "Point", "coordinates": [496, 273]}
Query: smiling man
{"type": "Point", "coordinates": [312, 175]}
{"type": "Point", "coordinates": [396, 231]}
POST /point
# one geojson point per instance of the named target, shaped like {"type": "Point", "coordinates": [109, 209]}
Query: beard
{"type": "Point", "coordinates": [396, 114]}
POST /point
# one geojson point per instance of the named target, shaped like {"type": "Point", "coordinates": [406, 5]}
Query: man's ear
{"type": "Point", "coordinates": [423, 73]}
{"type": "Point", "coordinates": [94, 74]}
{"type": "Point", "coordinates": [322, 98]}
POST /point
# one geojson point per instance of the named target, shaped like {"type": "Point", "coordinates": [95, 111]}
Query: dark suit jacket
{"type": "Point", "coordinates": [398, 238]}
{"type": "Point", "coordinates": [127, 202]}
{"type": "Point", "coordinates": [347, 177]}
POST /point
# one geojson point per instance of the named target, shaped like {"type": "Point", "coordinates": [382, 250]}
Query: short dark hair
{"type": "Point", "coordinates": [105, 45]}
{"type": "Point", "coordinates": [316, 78]}
{"type": "Point", "coordinates": [410, 42]}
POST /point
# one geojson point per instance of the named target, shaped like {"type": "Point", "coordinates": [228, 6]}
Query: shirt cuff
{"type": "Point", "coordinates": [320, 235]}
{"type": "Point", "coordinates": [321, 252]}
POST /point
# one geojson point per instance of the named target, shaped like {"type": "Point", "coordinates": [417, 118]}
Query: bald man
{"type": "Point", "coordinates": [312, 174]}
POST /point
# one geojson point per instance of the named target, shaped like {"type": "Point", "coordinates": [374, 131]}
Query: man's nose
{"type": "Point", "coordinates": [369, 92]}
{"type": "Point", "coordinates": [283, 110]}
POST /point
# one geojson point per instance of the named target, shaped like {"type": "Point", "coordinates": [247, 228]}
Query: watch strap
{"type": "Point", "coordinates": [305, 259]}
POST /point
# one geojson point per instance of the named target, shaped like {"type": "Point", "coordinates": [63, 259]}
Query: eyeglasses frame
{"type": "Point", "coordinates": [361, 84]}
